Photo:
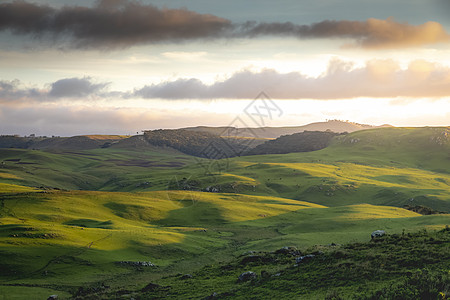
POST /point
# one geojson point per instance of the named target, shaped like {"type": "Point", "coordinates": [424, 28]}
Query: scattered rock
{"type": "Point", "coordinates": [36, 235]}
{"type": "Point", "coordinates": [212, 189]}
{"type": "Point", "coordinates": [304, 258]}
{"type": "Point", "coordinates": [377, 233]}
{"type": "Point", "coordinates": [52, 297]}
{"type": "Point", "coordinates": [247, 276]}
{"type": "Point", "coordinates": [423, 210]}
{"type": "Point", "coordinates": [137, 263]}
{"type": "Point", "coordinates": [288, 250]}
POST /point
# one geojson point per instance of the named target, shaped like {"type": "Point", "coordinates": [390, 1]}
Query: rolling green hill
{"type": "Point", "coordinates": [82, 142]}
{"type": "Point", "coordinates": [91, 218]}
{"type": "Point", "coordinates": [71, 238]}
{"type": "Point", "coordinates": [99, 169]}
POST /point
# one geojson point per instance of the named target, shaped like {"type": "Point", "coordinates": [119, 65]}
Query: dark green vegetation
{"type": "Point", "coordinates": [93, 218]}
{"type": "Point", "coordinates": [201, 144]}
{"type": "Point", "coordinates": [298, 142]}
{"type": "Point", "coordinates": [398, 266]}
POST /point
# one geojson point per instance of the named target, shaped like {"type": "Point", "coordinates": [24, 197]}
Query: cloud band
{"type": "Point", "coordinates": [114, 24]}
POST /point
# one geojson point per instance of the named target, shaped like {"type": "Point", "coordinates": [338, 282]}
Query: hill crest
{"type": "Point", "coordinates": [337, 126]}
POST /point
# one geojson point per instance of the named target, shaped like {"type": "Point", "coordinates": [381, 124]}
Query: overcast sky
{"type": "Point", "coordinates": [118, 67]}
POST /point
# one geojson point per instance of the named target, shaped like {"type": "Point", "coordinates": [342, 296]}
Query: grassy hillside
{"type": "Point", "coordinates": [398, 266]}
{"type": "Point", "coordinates": [83, 142]}
{"type": "Point", "coordinates": [71, 238]}
{"type": "Point", "coordinates": [90, 218]}
{"type": "Point", "coordinates": [389, 166]}
{"type": "Point", "coordinates": [109, 168]}
{"type": "Point", "coordinates": [354, 169]}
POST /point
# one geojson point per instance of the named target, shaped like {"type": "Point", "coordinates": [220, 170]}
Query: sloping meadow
{"type": "Point", "coordinates": [121, 218]}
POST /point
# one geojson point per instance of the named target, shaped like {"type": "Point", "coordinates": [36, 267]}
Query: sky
{"type": "Point", "coordinates": [123, 66]}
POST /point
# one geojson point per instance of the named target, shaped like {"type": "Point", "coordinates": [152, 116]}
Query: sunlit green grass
{"type": "Point", "coordinates": [122, 205]}
{"type": "Point", "coordinates": [59, 235]}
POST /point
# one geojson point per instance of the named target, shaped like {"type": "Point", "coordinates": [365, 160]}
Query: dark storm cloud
{"type": "Point", "coordinates": [124, 23]}
{"type": "Point", "coordinates": [342, 80]}
{"type": "Point", "coordinates": [109, 24]}
{"type": "Point", "coordinates": [373, 33]}
{"type": "Point", "coordinates": [75, 87]}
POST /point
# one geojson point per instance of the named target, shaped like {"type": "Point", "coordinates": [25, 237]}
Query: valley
{"type": "Point", "coordinates": [81, 222]}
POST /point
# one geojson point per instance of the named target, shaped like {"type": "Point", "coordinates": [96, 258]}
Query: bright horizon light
{"type": "Point", "coordinates": [370, 67]}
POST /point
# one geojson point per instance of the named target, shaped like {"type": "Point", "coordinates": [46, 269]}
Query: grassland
{"type": "Point", "coordinates": [398, 266]}
{"type": "Point", "coordinates": [69, 218]}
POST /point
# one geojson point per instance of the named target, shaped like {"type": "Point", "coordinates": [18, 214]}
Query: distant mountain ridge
{"type": "Point", "coordinates": [337, 126]}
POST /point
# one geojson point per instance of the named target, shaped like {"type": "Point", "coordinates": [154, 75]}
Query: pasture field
{"type": "Point", "coordinates": [89, 219]}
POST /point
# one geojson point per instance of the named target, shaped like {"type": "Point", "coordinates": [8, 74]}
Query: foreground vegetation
{"type": "Point", "coordinates": [399, 266]}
